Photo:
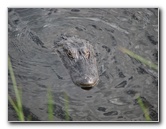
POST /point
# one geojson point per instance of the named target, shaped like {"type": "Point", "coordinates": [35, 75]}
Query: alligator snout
{"type": "Point", "coordinates": [87, 82]}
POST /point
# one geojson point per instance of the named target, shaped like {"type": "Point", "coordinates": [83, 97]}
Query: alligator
{"type": "Point", "coordinates": [79, 58]}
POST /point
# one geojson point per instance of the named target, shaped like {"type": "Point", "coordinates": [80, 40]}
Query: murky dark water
{"type": "Point", "coordinates": [31, 36]}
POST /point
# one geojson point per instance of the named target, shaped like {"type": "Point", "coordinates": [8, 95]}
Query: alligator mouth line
{"type": "Point", "coordinates": [86, 88]}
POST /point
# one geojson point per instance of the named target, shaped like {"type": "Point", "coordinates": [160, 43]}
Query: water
{"type": "Point", "coordinates": [31, 37]}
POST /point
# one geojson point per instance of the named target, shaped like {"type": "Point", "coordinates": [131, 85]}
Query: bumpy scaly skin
{"type": "Point", "coordinates": [79, 58]}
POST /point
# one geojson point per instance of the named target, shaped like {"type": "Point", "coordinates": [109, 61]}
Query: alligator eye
{"type": "Point", "coordinates": [69, 53]}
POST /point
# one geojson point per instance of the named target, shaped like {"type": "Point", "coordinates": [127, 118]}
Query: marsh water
{"type": "Point", "coordinates": [37, 68]}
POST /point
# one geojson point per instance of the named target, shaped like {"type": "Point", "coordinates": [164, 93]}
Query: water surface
{"type": "Point", "coordinates": [31, 37]}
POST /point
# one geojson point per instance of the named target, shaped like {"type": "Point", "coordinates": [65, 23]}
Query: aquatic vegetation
{"type": "Point", "coordinates": [139, 58]}
{"type": "Point", "coordinates": [18, 105]}
{"type": "Point", "coordinates": [144, 109]}
{"type": "Point", "coordinates": [66, 107]}
{"type": "Point", "coordinates": [148, 63]}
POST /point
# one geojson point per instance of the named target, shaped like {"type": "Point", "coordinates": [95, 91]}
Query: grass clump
{"type": "Point", "coordinates": [18, 104]}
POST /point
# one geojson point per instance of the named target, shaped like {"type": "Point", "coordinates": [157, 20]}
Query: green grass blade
{"type": "Point", "coordinates": [50, 106]}
{"type": "Point", "coordinates": [13, 104]}
{"type": "Point", "coordinates": [17, 93]}
{"type": "Point", "coordinates": [139, 58]}
{"type": "Point", "coordinates": [15, 108]}
{"type": "Point", "coordinates": [144, 109]}
{"type": "Point", "coordinates": [66, 107]}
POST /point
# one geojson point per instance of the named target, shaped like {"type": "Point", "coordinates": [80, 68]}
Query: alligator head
{"type": "Point", "coordinates": [79, 58]}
